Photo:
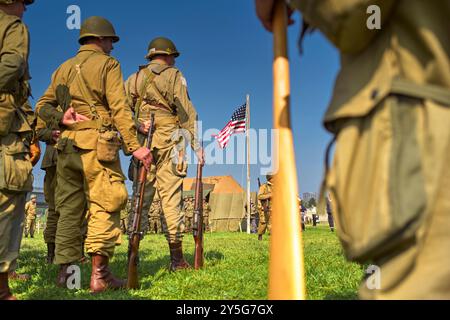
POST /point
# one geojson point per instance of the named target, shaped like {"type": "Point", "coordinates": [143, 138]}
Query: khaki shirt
{"type": "Point", "coordinates": [30, 210]}
{"type": "Point", "coordinates": [171, 92]}
{"type": "Point", "coordinates": [104, 81]}
{"type": "Point", "coordinates": [412, 44]}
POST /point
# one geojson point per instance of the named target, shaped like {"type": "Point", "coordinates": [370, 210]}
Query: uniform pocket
{"type": "Point", "coordinates": [15, 164]}
{"type": "Point", "coordinates": [376, 180]}
{"type": "Point", "coordinates": [115, 195]}
{"type": "Point", "coordinates": [7, 113]}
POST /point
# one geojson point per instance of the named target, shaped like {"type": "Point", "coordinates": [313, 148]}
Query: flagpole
{"type": "Point", "coordinates": [247, 126]}
{"type": "Point", "coordinates": [286, 270]}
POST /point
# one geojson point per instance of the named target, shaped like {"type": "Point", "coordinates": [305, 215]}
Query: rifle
{"type": "Point", "coordinates": [197, 228]}
{"type": "Point", "coordinates": [138, 200]}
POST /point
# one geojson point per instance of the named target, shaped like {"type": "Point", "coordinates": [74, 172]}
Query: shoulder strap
{"type": "Point", "coordinates": [153, 85]}
{"type": "Point", "coordinates": [147, 77]}
{"type": "Point", "coordinates": [82, 84]}
{"type": "Point", "coordinates": [148, 80]}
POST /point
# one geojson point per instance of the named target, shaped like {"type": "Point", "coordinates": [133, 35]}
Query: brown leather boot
{"type": "Point", "coordinates": [101, 277]}
{"type": "Point", "coordinates": [50, 252]}
{"type": "Point", "coordinates": [177, 261]}
{"type": "Point", "coordinates": [260, 237]}
{"type": "Point", "coordinates": [61, 279]}
{"type": "Point", "coordinates": [20, 277]}
{"type": "Point", "coordinates": [5, 293]}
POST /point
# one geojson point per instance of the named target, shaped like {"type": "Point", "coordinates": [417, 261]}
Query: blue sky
{"type": "Point", "coordinates": [225, 54]}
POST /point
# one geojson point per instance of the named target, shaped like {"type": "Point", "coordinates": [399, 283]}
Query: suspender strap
{"type": "Point", "coordinates": [427, 91]}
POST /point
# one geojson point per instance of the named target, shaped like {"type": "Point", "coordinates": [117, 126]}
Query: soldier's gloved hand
{"type": "Point", "coordinates": [144, 155]}
{"type": "Point", "coordinates": [144, 127]}
{"type": "Point", "coordinates": [71, 117]}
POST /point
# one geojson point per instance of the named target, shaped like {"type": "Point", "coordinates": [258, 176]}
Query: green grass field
{"type": "Point", "coordinates": [236, 267]}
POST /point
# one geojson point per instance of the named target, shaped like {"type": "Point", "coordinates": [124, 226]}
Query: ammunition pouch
{"type": "Point", "coordinates": [15, 164]}
{"type": "Point", "coordinates": [108, 146]}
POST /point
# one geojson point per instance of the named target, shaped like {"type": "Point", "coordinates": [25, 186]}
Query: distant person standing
{"type": "Point", "coordinates": [330, 213]}
{"type": "Point", "coordinates": [314, 216]}
{"type": "Point", "coordinates": [302, 214]}
{"type": "Point", "coordinates": [30, 214]}
{"type": "Point", "coordinates": [265, 206]}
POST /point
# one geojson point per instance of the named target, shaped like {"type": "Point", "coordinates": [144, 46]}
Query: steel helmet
{"type": "Point", "coordinates": [97, 27]}
{"type": "Point", "coordinates": [161, 45]}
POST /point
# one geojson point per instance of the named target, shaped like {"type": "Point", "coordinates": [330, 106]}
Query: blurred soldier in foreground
{"type": "Point", "coordinates": [265, 206]}
{"type": "Point", "coordinates": [16, 135]}
{"type": "Point", "coordinates": [159, 88]}
{"type": "Point", "coordinates": [89, 174]}
{"type": "Point", "coordinates": [390, 115]}
{"type": "Point", "coordinates": [30, 216]}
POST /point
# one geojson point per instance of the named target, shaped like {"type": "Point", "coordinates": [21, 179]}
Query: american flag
{"type": "Point", "coordinates": [235, 125]}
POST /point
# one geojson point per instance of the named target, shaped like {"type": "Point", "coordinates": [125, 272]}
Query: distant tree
{"type": "Point", "coordinates": [312, 203]}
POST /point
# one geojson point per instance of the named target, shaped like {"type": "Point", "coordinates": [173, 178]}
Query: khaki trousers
{"type": "Point", "coordinates": [83, 182]}
{"type": "Point", "coordinates": [12, 214]}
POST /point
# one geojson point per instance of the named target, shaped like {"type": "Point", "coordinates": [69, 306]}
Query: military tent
{"type": "Point", "coordinates": [226, 201]}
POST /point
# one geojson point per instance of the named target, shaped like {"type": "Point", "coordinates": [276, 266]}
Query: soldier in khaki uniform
{"type": "Point", "coordinates": [390, 113]}
{"type": "Point", "coordinates": [189, 213]}
{"type": "Point", "coordinates": [50, 136]}
{"type": "Point", "coordinates": [48, 164]}
{"type": "Point", "coordinates": [154, 217]}
{"type": "Point", "coordinates": [16, 133]}
{"type": "Point", "coordinates": [160, 89]}
{"type": "Point", "coordinates": [89, 174]}
{"type": "Point", "coordinates": [124, 216]}
{"type": "Point", "coordinates": [264, 200]}
{"type": "Point", "coordinates": [206, 212]}
{"type": "Point", "coordinates": [30, 217]}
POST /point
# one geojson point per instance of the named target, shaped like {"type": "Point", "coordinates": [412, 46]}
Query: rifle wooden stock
{"type": "Point", "coordinates": [135, 235]}
{"type": "Point", "coordinates": [286, 271]}
{"type": "Point", "coordinates": [198, 219]}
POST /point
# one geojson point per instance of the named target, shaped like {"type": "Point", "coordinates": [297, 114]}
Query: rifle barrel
{"type": "Point", "coordinates": [138, 201]}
